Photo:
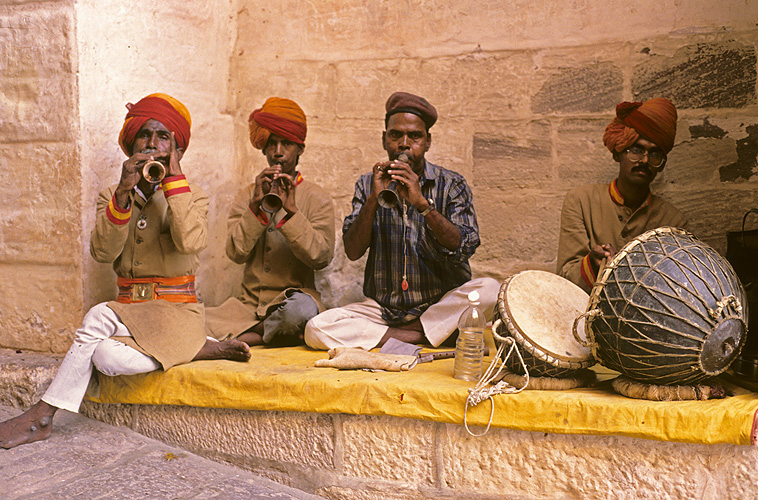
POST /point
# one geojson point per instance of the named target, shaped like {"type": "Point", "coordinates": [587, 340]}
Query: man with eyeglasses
{"type": "Point", "coordinates": [598, 220]}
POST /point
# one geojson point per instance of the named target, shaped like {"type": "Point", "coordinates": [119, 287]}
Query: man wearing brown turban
{"type": "Point", "coordinates": [417, 275]}
{"type": "Point", "coordinates": [280, 242]}
{"type": "Point", "coordinates": [597, 220]}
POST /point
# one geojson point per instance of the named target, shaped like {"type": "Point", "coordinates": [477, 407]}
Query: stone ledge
{"type": "Point", "coordinates": [341, 456]}
{"type": "Point", "coordinates": [366, 457]}
{"type": "Point", "coordinates": [24, 376]}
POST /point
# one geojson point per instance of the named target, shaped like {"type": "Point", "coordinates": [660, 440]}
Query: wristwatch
{"type": "Point", "coordinates": [429, 208]}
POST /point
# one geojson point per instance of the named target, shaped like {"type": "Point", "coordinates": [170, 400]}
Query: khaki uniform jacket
{"type": "Point", "coordinates": [175, 231]}
{"type": "Point", "coordinates": [591, 216]}
{"type": "Point", "coordinates": [278, 257]}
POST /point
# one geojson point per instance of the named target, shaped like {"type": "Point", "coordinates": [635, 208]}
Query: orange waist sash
{"type": "Point", "coordinates": [179, 289]}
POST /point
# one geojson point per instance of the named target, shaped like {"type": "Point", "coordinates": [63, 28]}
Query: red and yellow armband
{"type": "Point", "coordinates": [117, 215]}
{"type": "Point", "coordinates": [588, 274]}
{"type": "Point", "coordinates": [175, 185]}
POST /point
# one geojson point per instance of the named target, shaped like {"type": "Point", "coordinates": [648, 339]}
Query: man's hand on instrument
{"type": "Point", "coordinates": [174, 168]}
{"type": "Point", "coordinates": [263, 186]}
{"type": "Point", "coordinates": [131, 173]}
{"type": "Point", "coordinates": [598, 253]}
{"type": "Point", "coordinates": [408, 187]}
{"type": "Point", "coordinates": [287, 192]}
{"type": "Point", "coordinates": [381, 179]}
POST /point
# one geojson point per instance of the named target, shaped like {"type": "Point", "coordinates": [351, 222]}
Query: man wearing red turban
{"type": "Point", "coordinates": [151, 230]}
{"type": "Point", "coordinates": [280, 240]}
{"type": "Point", "coordinates": [597, 220]}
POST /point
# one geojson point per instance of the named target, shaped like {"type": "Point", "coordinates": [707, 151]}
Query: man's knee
{"type": "Point", "coordinates": [104, 358]}
{"type": "Point", "coordinates": [488, 287]}
{"type": "Point", "coordinates": [314, 333]}
{"type": "Point", "coordinates": [290, 318]}
{"type": "Point", "coordinates": [113, 358]}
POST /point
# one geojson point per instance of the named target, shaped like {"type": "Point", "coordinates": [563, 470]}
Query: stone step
{"type": "Point", "coordinates": [84, 458]}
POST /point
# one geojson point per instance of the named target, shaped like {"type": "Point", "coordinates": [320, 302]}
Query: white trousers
{"type": "Point", "coordinates": [94, 347]}
{"type": "Point", "coordinates": [361, 324]}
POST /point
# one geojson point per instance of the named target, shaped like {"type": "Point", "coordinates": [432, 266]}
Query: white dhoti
{"type": "Point", "coordinates": [361, 324]}
{"type": "Point", "coordinates": [94, 347]}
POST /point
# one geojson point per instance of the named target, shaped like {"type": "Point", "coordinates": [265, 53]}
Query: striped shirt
{"type": "Point", "coordinates": [403, 244]}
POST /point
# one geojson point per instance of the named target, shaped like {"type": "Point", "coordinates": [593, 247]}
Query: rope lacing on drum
{"type": "Point", "coordinates": [725, 301]}
{"type": "Point", "coordinates": [481, 391]}
{"type": "Point", "coordinates": [589, 342]}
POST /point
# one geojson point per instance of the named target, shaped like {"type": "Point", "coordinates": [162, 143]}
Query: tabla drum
{"type": "Point", "coordinates": [538, 309]}
{"type": "Point", "coordinates": [667, 309]}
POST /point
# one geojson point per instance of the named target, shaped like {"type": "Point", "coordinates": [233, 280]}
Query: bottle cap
{"type": "Point", "coordinates": [473, 296]}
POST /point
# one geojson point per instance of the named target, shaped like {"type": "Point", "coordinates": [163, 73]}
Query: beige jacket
{"type": "Point", "coordinates": [278, 256]}
{"type": "Point", "coordinates": [175, 231]}
{"type": "Point", "coordinates": [595, 215]}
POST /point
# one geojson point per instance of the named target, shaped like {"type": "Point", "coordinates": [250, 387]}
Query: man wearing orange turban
{"type": "Point", "coordinates": [280, 240]}
{"type": "Point", "coordinates": [597, 220]}
{"type": "Point", "coordinates": [152, 233]}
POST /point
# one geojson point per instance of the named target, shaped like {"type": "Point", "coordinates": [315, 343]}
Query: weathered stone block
{"type": "Point", "coordinates": [119, 415]}
{"type": "Point", "coordinates": [311, 84]}
{"type": "Point", "coordinates": [519, 158]}
{"type": "Point", "coordinates": [587, 89]}
{"type": "Point", "coordinates": [38, 78]}
{"type": "Point", "coordinates": [24, 377]}
{"type": "Point", "coordinates": [36, 40]}
{"type": "Point", "coordinates": [388, 449]}
{"type": "Point", "coordinates": [538, 465]}
{"type": "Point", "coordinates": [507, 75]}
{"type": "Point", "coordinates": [41, 209]}
{"type": "Point", "coordinates": [296, 438]}
{"type": "Point", "coordinates": [361, 492]}
{"type": "Point", "coordinates": [696, 163]}
{"type": "Point", "coordinates": [703, 75]}
{"type": "Point", "coordinates": [714, 211]}
{"type": "Point", "coordinates": [747, 157]}
{"type": "Point", "coordinates": [518, 228]}
{"type": "Point", "coordinates": [581, 156]}
{"type": "Point", "coordinates": [40, 313]}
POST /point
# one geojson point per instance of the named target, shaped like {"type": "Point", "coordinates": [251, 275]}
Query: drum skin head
{"type": "Point", "coordinates": [668, 310]}
{"type": "Point", "coordinates": [542, 307]}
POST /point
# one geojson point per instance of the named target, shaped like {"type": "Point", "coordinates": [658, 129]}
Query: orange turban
{"type": "Point", "coordinates": [282, 117]}
{"type": "Point", "coordinates": [654, 120]}
{"type": "Point", "coordinates": [162, 107]}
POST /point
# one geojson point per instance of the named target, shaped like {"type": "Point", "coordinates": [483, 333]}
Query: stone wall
{"type": "Point", "coordinates": [524, 91]}
{"type": "Point", "coordinates": [40, 209]}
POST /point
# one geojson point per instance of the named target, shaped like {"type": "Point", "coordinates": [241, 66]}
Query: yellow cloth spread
{"type": "Point", "coordinates": [285, 379]}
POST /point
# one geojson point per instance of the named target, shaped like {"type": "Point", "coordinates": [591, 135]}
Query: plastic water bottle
{"type": "Point", "coordinates": [469, 348]}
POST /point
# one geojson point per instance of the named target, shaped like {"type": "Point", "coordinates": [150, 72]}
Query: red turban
{"type": "Point", "coordinates": [162, 107]}
{"type": "Point", "coordinates": [282, 117]}
{"type": "Point", "coordinates": [654, 120]}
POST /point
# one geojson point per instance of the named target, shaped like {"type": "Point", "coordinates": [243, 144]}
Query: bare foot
{"type": "Point", "coordinates": [231, 349]}
{"type": "Point", "coordinates": [251, 338]}
{"type": "Point", "coordinates": [35, 424]}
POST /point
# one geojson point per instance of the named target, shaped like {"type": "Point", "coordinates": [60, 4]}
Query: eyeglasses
{"type": "Point", "coordinates": [655, 157]}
